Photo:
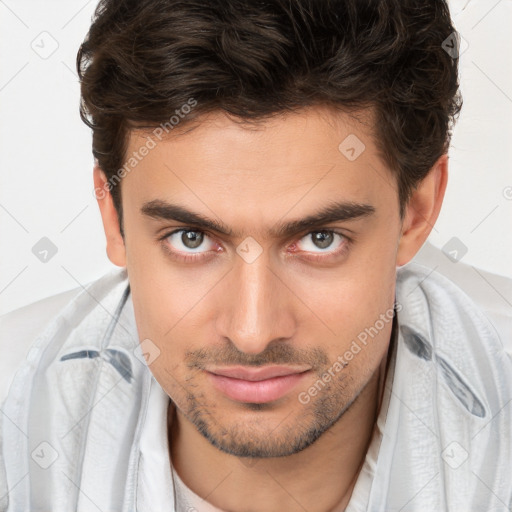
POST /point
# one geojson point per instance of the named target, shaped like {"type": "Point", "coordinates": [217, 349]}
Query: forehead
{"type": "Point", "coordinates": [290, 162]}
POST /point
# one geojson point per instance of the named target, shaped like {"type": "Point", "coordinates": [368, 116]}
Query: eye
{"type": "Point", "coordinates": [321, 242]}
{"type": "Point", "coordinates": [189, 241]}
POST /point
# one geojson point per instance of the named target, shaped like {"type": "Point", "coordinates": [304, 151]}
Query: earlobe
{"type": "Point", "coordinates": [422, 211]}
{"type": "Point", "coordinates": [116, 251]}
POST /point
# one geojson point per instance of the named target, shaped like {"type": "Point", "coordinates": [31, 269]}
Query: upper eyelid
{"type": "Point", "coordinates": [167, 234]}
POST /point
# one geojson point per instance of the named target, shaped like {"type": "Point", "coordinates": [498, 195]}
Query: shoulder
{"type": "Point", "coordinates": [22, 327]}
{"type": "Point", "coordinates": [491, 293]}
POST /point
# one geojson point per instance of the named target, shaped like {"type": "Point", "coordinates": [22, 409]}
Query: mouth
{"type": "Point", "coordinates": [256, 385]}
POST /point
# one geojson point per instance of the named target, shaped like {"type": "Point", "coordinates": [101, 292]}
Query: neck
{"type": "Point", "coordinates": [291, 483]}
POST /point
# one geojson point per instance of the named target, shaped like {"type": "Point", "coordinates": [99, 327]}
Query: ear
{"type": "Point", "coordinates": [116, 251]}
{"type": "Point", "coordinates": [422, 210]}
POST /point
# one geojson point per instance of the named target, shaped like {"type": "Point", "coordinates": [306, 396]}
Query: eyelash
{"type": "Point", "coordinates": [188, 257]}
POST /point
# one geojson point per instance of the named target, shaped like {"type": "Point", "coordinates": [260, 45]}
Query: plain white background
{"type": "Point", "coordinates": [46, 160]}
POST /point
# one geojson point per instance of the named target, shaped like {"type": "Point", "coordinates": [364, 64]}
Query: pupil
{"type": "Point", "coordinates": [322, 239]}
{"type": "Point", "coordinates": [192, 239]}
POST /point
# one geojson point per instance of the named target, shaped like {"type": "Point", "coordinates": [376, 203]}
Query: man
{"type": "Point", "coordinates": [265, 171]}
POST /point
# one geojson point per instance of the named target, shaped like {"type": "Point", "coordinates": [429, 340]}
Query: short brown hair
{"type": "Point", "coordinates": [142, 60]}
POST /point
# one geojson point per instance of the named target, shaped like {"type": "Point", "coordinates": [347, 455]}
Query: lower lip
{"type": "Point", "coordinates": [256, 392]}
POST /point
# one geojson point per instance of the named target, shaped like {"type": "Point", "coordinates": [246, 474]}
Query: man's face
{"type": "Point", "coordinates": [255, 289]}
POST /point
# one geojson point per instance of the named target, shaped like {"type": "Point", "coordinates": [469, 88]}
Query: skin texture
{"type": "Point", "coordinates": [295, 304]}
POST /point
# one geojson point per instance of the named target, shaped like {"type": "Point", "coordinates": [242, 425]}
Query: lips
{"type": "Point", "coordinates": [256, 385]}
{"type": "Point", "coordinates": [257, 374]}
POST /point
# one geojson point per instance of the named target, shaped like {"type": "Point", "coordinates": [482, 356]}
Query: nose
{"type": "Point", "coordinates": [257, 307]}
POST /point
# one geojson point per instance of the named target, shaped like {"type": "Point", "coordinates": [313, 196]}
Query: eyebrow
{"type": "Point", "coordinates": [334, 212]}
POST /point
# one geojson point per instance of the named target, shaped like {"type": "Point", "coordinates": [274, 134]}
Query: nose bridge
{"type": "Point", "coordinates": [259, 310]}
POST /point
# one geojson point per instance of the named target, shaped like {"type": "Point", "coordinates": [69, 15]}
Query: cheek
{"type": "Point", "coordinates": [170, 310]}
{"type": "Point", "coordinates": [162, 312]}
{"type": "Point", "coordinates": [164, 295]}
{"type": "Point", "coordinates": [350, 299]}
{"type": "Point", "coordinates": [354, 312]}
{"type": "Point", "coordinates": [160, 319]}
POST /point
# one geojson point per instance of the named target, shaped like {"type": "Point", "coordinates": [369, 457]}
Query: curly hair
{"type": "Point", "coordinates": [142, 60]}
